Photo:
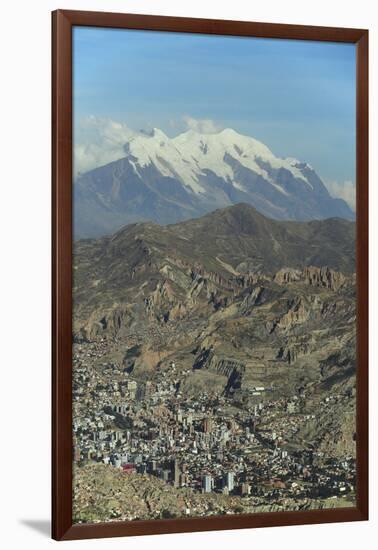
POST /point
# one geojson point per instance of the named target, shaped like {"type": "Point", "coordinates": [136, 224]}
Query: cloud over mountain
{"type": "Point", "coordinates": [345, 190]}
{"type": "Point", "coordinates": [98, 141]}
{"type": "Point", "coordinates": [202, 125]}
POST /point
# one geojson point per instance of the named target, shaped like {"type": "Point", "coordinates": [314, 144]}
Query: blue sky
{"type": "Point", "coordinates": [297, 97]}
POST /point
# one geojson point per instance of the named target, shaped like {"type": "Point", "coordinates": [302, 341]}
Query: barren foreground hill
{"type": "Point", "coordinates": [105, 494]}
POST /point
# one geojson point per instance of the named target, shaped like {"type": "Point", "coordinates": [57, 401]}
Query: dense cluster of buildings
{"type": "Point", "coordinates": [203, 442]}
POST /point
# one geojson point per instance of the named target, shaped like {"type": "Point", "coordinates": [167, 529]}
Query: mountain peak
{"type": "Point", "coordinates": [238, 210]}
{"type": "Point", "coordinates": [241, 219]}
{"type": "Point", "coordinates": [157, 133]}
{"type": "Point", "coordinates": [229, 132]}
{"type": "Point", "coordinates": [168, 180]}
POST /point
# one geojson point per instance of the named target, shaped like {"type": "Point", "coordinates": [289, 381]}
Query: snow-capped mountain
{"type": "Point", "coordinates": [166, 180]}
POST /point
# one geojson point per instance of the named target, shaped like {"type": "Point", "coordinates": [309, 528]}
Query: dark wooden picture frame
{"type": "Point", "coordinates": [62, 24]}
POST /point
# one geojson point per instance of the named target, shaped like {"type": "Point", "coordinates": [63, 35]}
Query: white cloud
{"type": "Point", "coordinates": [343, 190]}
{"type": "Point", "coordinates": [98, 141]}
{"type": "Point", "coordinates": [202, 125]}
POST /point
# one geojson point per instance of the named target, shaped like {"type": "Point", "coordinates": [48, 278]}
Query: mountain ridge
{"type": "Point", "coordinates": [168, 180]}
{"type": "Point", "coordinates": [236, 241]}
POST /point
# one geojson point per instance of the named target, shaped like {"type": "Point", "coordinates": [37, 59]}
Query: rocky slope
{"type": "Point", "coordinates": [237, 301]}
{"type": "Point", "coordinates": [164, 272]}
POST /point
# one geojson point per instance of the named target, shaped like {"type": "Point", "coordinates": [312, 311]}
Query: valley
{"type": "Point", "coordinates": [214, 367]}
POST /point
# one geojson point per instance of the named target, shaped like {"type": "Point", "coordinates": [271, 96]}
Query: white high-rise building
{"type": "Point", "coordinates": [207, 483]}
{"type": "Point", "coordinates": [229, 481]}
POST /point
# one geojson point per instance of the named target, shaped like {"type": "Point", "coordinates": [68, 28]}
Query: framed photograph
{"type": "Point", "coordinates": [210, 249]}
